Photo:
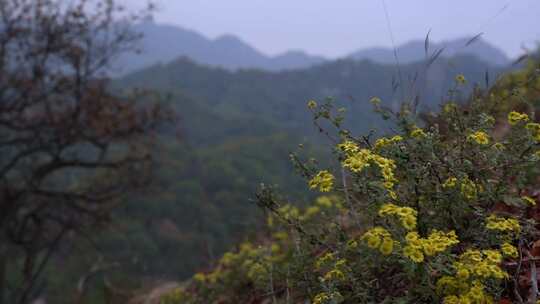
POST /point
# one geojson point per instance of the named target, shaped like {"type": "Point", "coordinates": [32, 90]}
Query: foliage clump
{"type": "Point", "coordinates": [442, 211]}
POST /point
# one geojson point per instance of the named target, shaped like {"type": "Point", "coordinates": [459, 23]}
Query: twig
{"type": "Point", "coordinates": [347, 196]}
{"type": "Point", "coordinates": [533, 296]}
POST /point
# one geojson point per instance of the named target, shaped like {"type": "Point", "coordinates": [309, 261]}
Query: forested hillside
{"type": "Point", "coordinates": [277, 98]}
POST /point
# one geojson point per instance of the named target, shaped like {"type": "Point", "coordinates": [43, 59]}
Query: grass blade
{"type": "Point", "coordinates": [473, 39]}
{"type": "Point", "coordinates": [426, 43]}
{"type": "Point", "coordinates": [435, 56]}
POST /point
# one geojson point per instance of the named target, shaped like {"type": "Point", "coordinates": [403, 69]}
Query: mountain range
{"type": "Point", "coordinates": [162, 43]}
{"type": "Point", "coordinates": [415, 51]}
{"type": "Point", "coordinates": [165, 43]}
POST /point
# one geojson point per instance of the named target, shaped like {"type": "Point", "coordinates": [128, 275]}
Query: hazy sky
{"type": "Point", "coordinates": [335, 28]}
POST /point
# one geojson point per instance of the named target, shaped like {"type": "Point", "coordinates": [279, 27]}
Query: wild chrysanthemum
{"type": "Point", "coordinates": [324, 181]}
{"type": "Point", "coordinates": [479, 137]}
{"type": "Point", "coordinates": [375, 101]}
{"type": "Point", "coordinates": [460, 78]}
{"type": "Point", "coordinates": [529, 200]}
{"type": "Point", "coordinates": [494, 222]}
{"type": "Point", "coordinates": [514, 118]}
{"type": "Point", "coordinates": [509, 250]}
{"type": "Point", "coordinates": [534, 129]}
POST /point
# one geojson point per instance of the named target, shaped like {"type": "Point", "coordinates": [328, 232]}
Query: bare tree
{"type": "Point", "coordinates": [69, 149]}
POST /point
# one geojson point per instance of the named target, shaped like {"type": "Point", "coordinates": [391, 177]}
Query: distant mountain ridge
{"type": "Point", "coordinates": [163, 44]}
{"type": "Point", "coordinates": [415, 51]}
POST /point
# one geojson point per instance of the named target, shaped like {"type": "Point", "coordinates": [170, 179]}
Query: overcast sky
{"type": "Point", "coordinates": [336, 27]}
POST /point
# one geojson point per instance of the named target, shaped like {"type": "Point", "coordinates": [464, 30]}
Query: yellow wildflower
{"type": "Point", "coordinates": [450, 182]}
{"type": "Point", "coordinates": [383, 141]}
{"type": "Point", "coordinates": [348, 147]}
{"type": "Point", "coordinates": [324, 181]}
{"type": "Point", "coordinates": [387, 246]}
{"type": "Point", "coordinates": [324, 260]}
{"type": "Point", "coordinates": [460, 78]}
{"type": "Point", "coordinates": [534, 129]}
{"type": "Point", "coordinates": [312, 104]}
{"type": "Point", "coordinates": [334, 275]}
{"type": "Point", "coordinates": [509, 250]}
{"type": "Point", "coordinates": [468, 188]}
{"type": "Point", "coordinates": [479, 137]}
{"type": "Point", "coordinates": [321, 298]}
{"type": "Point", "coordinates": [498, 146]}
{"type": "Point", "coordinates": [514, 118]}
{"type": "Point", "coordinates": [199, 277]}
{"type": "Point", "coordinates": [414, 254]}
{"type": "Point", "coordinates": [494, 222]}
{"type": "Point", "coordinates": [450, 107]}
{"type": "Point", "coordinates": [377, 236]}
{"type": "Point", "coordinates": [325, 297]}
{"type": "Point", "coordinates": [407, 215]}
{"type": "Point", "coordinates": [352, 244]}
{"type": "Point", "coordinates": [358, 161]}
{"type": "Point", "coordinates": [418, 133]}
{"type": "Point", "coordinates": [529, 200]}
{"type": "Point", "coordinates": [375, 101]}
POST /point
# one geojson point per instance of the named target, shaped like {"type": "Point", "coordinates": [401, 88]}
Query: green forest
{"type": "Point", "coordinates": [348, 181]}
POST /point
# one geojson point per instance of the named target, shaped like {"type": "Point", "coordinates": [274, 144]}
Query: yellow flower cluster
{"type": "Point", "coordinates": [534, 128]}
{"type": "Point", "coordinates": [514, 118]}
{"type": "Point", "coordinates": [248, 259]}
{"type": "Point", "coordinates": [499, 146]}
{"type": "Point", "coordinates": [254, 270]}
{"type": "Point", "coordinates": [289, 212]}
{"type": "Point", "coordinates": [468, 188]}
{"type": "Point", "coordinates": [322, 204]}
{"type": "Point", "coordinates": [479, 137]}
{"type": "Point", "coordinates": [387, 167]}
{"type": "Point", "coordinates": [328, 297]}
{"type": "Point", "coordinates": [473, 267]}
{"type": "Point", "coordinates": [334, 275]}
{"type": "Point", "coordinates": [312, 104]}
{"type": "Point", "coordinates": [352, 244]}
{"type": "Point", "coordinates": [349, 147]}
{"type": "Point", "coordinates": [450, 107]}
{"type": "Point", "coordinates": [324, 260]}
{"type": "Point", "coordinates": [529, 200]}
{"type": "Point", "coordinates": [359, 159]}
{"type": "Point", "coordinates": [509, 250]}
{"type": "Point", "coordinates": [467, 294]}
{"type": "Point", "coordinates": [199, 277]}
{"type": "Point", "coordinates": [435, 243]}
{"type": "Point", "coordinates": [310, 212]}
{"type": "Point", "coordinates": [482, 264]}
{"type": "Point", "coordinates": [324, 181]}
{"type": "Point", "coordinates": [375, 101]}
{"type": "Point", "coordinates": [380, 238]}
{"type": "Point", "coordinates": [494, 222]}
{"type": "Point", "coordinates": [450, 182]}
{"type": "Point", "coordinates": [328, 202]}
{"type": "Point", "coordinates": [384, 142]}
{"type": "Point", "coordinates": [337, 274]}
{"type": "Point", "coordinates": [356, 162]}
{"type": "Point", "coordinates": [460, 78]}
{"type": "Point", "coordinates": [407, 215]}
{"type": "Point", "coordinates": [418, 133]}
